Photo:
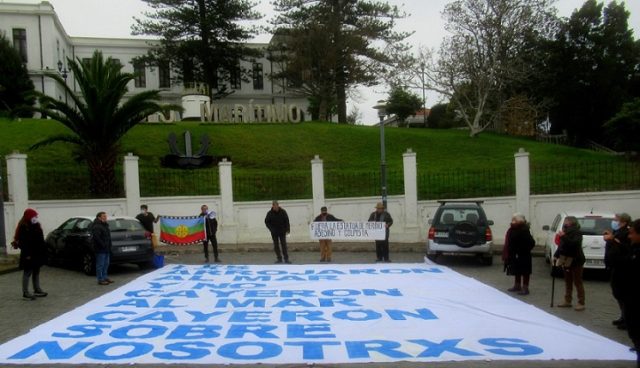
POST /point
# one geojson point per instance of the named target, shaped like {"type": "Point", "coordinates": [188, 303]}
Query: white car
{"type": "Point", "coordinates": [592, 226]}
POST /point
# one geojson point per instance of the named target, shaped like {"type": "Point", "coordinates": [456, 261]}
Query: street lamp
{"type": "Point", "coordinates": [64, 73]}
{"type": "Point", "coordinates": [382, 113]}
{"type": "Point", "coordinates": [424, 99]}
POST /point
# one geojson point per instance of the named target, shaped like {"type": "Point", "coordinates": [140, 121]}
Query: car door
{"type": "Point", "coordinates": [57, 239]}
{"type": "Point", "coordinates": [79, 239]}
{"type": "Point", "coordinates": [550, 238]}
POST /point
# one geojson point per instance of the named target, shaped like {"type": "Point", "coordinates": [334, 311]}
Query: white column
{"type": "Point", "coordinates": [317, 183]}
{"type": "Point", "coordinates": [410, 188]}
{"type": "Point", "coordinates": [18, 191]}
{"type": "Point", "coordinates": [227, 229]}
{"type": "Point", "coordinates": [523, 189]}
{"type": "Point", "coordinates": [132, 184]}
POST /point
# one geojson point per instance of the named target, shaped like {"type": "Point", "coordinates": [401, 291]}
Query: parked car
{"type": "Point", "coordinates": [460, 228]}
{"type": "Point", "coordinates": [71, 243]}
{"type": "Point", "coordinates": [592, 225]}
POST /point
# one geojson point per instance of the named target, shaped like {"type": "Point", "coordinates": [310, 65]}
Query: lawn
{"type": "Point", "coordinates": [277, 156]}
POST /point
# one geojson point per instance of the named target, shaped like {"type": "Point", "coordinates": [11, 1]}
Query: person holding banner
{"type": "Point", "coordinates": [277, 222]}
{"type": "Point", "coordinates": [211, 227]}
{"type": "Point", "coordinates": [325, 244]}
{"type": "Point", "coordinates": [147, 219]}
{"type": "Point", "coordinates": [382, 246]}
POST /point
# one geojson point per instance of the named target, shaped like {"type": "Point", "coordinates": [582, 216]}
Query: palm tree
{"type": "Point", "coordinates": [97, 117]}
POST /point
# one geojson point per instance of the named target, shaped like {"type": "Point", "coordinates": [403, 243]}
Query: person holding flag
{"type": "Point", "coordinates": [211, 227]}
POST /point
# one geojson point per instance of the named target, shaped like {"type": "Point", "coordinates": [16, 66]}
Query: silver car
{"type": "Point", "coordinates": [592, 226]}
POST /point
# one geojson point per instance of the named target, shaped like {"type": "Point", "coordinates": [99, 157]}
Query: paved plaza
{"type": "Point", "coordinates": [69, 289]}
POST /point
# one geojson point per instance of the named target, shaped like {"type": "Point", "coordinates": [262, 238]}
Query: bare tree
{"type": "Point", "coordinates": [485, 53]}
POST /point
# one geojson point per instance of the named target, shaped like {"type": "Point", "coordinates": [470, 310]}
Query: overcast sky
{"type": "Point", "coordinates": [113, 18]}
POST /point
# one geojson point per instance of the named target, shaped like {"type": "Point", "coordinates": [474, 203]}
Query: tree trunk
{"type": "Point", "coordinates": [102, 175]}
{"type": "Point", "coordinates": [341, 96]}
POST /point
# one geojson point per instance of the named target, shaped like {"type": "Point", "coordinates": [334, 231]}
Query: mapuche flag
{"type": "Point", "coordinates": [182, 230]}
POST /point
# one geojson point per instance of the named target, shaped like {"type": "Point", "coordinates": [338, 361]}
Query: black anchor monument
{"type": "Point", "coordinates": [189, 160]}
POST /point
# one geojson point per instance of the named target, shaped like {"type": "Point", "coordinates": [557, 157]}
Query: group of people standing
{"type": "Point", "coordinates": [277, 221]}
{"type": "Point", "coordinates": [622, 260]}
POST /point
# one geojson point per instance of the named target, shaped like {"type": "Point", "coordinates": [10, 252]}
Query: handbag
{"type": "Point", "coordinates": [564, 261]}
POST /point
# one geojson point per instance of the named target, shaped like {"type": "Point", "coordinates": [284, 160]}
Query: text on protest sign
{"type": "Point", "coordinates": [347, 230]}
{"type": "Point", "coordinates": [304, 314]}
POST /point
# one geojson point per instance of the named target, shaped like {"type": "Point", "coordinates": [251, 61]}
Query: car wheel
{"type": "Point", "coordinates": [89, 264]}
{"type": "Point", "coordinates": [487, 260]}
{"type": "Point", "coordinates": [433, 257]}
{"type": "Point", "coordinates": [465, 234]}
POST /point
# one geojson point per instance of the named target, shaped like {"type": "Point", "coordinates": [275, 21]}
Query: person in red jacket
{"type": "Point", "coordinates": [29, 237]}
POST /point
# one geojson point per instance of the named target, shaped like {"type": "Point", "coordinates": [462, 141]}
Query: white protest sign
{"type": "Point", "coordinates": [347, 230]}
{"type": "Point", "coordinates": [305, 314]}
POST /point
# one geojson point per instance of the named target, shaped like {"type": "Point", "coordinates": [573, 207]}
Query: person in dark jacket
{"type": "Point", "coordinates": [325, 244]}
{"type": "Point", "coordinates": [630, 287]}
{"type": "Point", "coordinates": [29, 238]}
{"type": "Point", "coordinates": [101, 236]}
{"type": "Point", "coordinates": [518, 246]}
{"type": "Point", "coordinates": [617, 248]}
{"type": "Point", "coordinates": [211, 228]}
{"type": "Point", "coordinates": [570, 250]}
{"type": "Point", "coordinates": [382, 246]}
{"type": "Point", "coordinates": [147, 219]}
{"type": "Point", "coordinates": [277, 222]}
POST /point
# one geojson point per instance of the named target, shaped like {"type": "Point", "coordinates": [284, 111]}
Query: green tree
{"type": "Point", "coordinates": [442, 116]}
{"type": "Point", "coordinates": [623, 130]}
{"type": "Point", "coordinates": [307, 70]}
{"type": "Point", "coordinates": [354, 31]}
{"type": "Point", "coordinates": [591, 67]}
{"type": "Point", "coordinates": [98, 117]}
{"type": "Point", "coordinates": [15, 85]}
{"type": "Point", "coordinates": [403, 103]}
{"type": "Point", "coordinates": [203, 40]}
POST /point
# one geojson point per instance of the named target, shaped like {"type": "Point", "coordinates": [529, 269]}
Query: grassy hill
{"type": "Point", "coordinates": [286, 149]}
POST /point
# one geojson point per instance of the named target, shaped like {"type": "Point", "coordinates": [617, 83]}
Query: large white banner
{"type": "Point", "coordinates": [347, 230]}
{"type": "Point", "coordinates": [305, 314]}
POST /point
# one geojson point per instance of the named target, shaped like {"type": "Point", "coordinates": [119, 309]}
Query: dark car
{"type": "Point", "coordinates": [460, 228]}
{"type": "Point", "coordinates": [71, 243]}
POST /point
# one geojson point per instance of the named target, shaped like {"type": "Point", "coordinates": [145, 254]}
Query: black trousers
{"type": "Point", "coordinates": [382, 250]}
{"type": "Point", "coordinates": [632, 320]}
{"type": "Point", "coordinates": [282, 239]}
{"type": "Point", "coordinates": [214, 244]}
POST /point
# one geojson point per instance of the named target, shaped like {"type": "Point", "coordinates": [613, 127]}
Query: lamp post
{"type": "Point", "coordinates": [382, 112]}
{"type": "Point", "coordinates": [64, 73]}
{"type": "Point", "coordinates": [424, 99]}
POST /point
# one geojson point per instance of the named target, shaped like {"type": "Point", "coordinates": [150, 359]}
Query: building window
{"type": "Point", "coordinates": [164, 74]}
{"type": "Point", "coordinates": [20, 42]}
{"type": "Point", "coordinates": [139, 71]}
{"type": "Point", "coordinates": [258, 79]}
{"type": "Point", "coordinates": [234, 78]}
{"type": "Point", "coordinates": [116, 62]}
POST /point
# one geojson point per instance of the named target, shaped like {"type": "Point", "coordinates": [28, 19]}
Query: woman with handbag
{"type": "Point", "coordinates": [517, 257]}
{"type": "Point", "coordinates": [570, 258]}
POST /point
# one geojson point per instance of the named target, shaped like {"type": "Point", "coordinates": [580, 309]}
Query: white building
{"type": "Point", "coordinates": [43, 43]}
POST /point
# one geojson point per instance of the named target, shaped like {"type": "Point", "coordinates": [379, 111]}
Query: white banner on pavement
{"type": "Point", "coordinates": [347, 230]}
{"type": "Point", "coordinates": [303, 314]}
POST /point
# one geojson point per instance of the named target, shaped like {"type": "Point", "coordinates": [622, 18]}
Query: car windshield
{"type": "Point", "coordinates": [125, 225]}
{"type": "Point", "coordinates": [594, 225]}
{"type": "Point", "coordinates": [455, 215]}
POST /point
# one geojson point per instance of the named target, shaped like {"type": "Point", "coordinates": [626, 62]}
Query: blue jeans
{"type": "Point", "coordinates": [102, 265]}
